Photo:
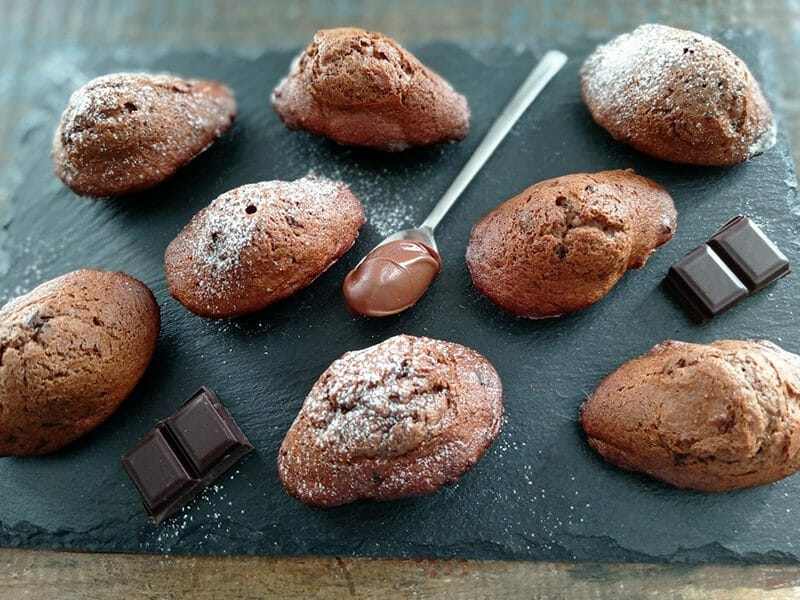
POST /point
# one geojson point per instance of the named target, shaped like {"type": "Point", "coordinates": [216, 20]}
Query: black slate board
{"type": "Point", "coordinates": [539, 492]}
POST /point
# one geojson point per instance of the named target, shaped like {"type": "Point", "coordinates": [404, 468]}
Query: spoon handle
{"type": "Point", "coordinates": [541, 75]}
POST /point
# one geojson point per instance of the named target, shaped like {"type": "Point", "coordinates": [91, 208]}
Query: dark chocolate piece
{"type": "Point", "coordinates": [184, 454]}
{"type": "Point", "coordinates": [737, 261]}
{"type": "Point", "coordinates": [203, 432]}
{"type": "Point", "coordinates": [749, 253]}
{"type": "Point", "coordinates": [705, 283]}
{"type": "Point", "coordinates": [162, 480]}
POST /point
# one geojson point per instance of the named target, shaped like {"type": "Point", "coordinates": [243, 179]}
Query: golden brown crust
{"type": "Point", "coordinates": [71, 351]}
{"type": "Point", "coordinates": [679, 96]}
{"type": "Point", "coordinates": [710, 417]}
{"type": "Point", "coordinates": [563, 243]}
{"type": "Point", "coordinates": [362, 88]}
{"type": "Point", "coordinates": [126, 132]}
{"type": "Point", "coordinates": [260, 243]}
{"type": "Point", "coordinates": [402, 418]}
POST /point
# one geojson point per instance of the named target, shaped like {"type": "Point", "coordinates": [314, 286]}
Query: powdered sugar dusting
{"type": "Point", "coordinates": [383, 401]}
{"type": "Point", "coordinates": [223, 230]}
{"type": "Point", "coordinates": [212, 516]}
{"type": "Point", "coordinates": [114, 97]}
{"type": "Point", "coordinates": [630, 69]}
{"type": "Point", "coordinates": [389, 208]}
{"type": "Point", "coordinates": [659, 72]}
{"type": "Point", "coordinates": [391, 217]}
{"type": "Point", "coordinates": [115, 125]}
{"type": "Point", "coordinates": [34, 254]}
{"type": "Point", "coordinates": [765, 141]}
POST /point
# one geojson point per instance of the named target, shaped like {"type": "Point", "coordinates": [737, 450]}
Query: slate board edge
{"type": "Point", "coordinates": [680, 556]}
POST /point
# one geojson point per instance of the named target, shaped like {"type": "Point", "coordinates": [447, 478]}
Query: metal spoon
{"type": "Point", "coordinates": [536, 81]}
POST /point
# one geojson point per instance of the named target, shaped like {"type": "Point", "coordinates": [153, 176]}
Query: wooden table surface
{"type": "Point", "coordinates": [34, 29]}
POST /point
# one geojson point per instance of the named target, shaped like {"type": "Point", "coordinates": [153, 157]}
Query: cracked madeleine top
{"type": "Point", "coordinates": [563, 243]}
{"type": "Point", "coordinates": [401, 418]}
{"type": "Point", "coordinates": [71, 351]}
{"type": "Point", "coordinates": [362, 88]}
{"type": "Point", "coordinates": [260, 243]}
{"type": "Point", "coordinates": [710, 417]}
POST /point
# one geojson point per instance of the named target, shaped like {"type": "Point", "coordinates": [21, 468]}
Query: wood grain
{"type": "Point", "coordinates": [64, 576]}
{"type": "Point", "coordinates": [34, 30]}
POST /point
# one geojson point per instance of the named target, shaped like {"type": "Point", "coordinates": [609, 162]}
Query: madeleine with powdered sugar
{"type": "Point", "coordinates": [401, 418]}
{"type": "Point", "coordinates": [127, 132]}
{"type": "Point", "coordinates": [679, 96]}
{"type": "Point", "coordinates": [260, 243]}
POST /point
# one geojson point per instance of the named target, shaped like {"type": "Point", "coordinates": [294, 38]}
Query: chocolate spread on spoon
{"type": "Point", "coordinates": [391, 278]}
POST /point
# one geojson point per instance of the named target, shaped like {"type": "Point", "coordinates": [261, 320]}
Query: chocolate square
{"type": "Point", "coordinates": [749, 253]}
{"type": "Point", "coordinates": [706, 283]}
{"type": "Point", "coordinates": [157, 472]}
{"type": "Point", "coordinates": [201, 432]}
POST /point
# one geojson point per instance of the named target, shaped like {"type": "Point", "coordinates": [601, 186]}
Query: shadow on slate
{"type": "Point", "coordinates": [539, 492]}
